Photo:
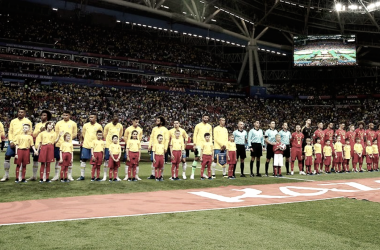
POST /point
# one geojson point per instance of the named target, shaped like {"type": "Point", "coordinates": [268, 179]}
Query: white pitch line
{"type": "Point", "coordinates": [186, 211]}
{"type": "Point", "coordinates": [292, 178]}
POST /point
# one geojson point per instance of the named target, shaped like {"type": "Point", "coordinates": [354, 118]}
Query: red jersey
{"type": "Point", "coordinates": [319, 133]}
{"type": "Point", "coordinates": [296, 140]}
{"type": "Point", "coordinates": [342, 133]}
{"type": "Point", "coordinates": [370, 134]}
{"type": "Point", "coordinates": [329, 135]}
{"type": "Point", "coordinates": [351, 136]}
{"type": "Point", "coordinates": [276, 148]}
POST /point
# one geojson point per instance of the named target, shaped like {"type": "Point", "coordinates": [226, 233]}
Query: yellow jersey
{"type": "Point", "coordinates": [46, 138]}
{"type": "Point", "coordinates": [37, 129]}
{"type": "Point", "coordinates": [128, 133]}
{"type": "Point", "coordinates": [115, 149]}
{"type": "Point", "coordinates": [317, 148]}
{"type": "Point", "coordinates": [65, 127]}
{"type": "Point", "coordinates": [158, 149]}
{"type": "Point", "coordinates": [375, 149]}
{"type": "Point", "coordinates": [369, 150]}
{"type": "Point", "coordinates": [2, 131]}
{"type": "Point", "coordinates": [220, 137]}
{"type": "Point", "coordinates": [111, 130]}
{"type": "Point", "coordinates": [347, 152]}
{"type": "Point", "coordinates": [134, 145]}
{"type": "Point", "coordinates": [98, 145]}
{"type": "Point", "coordinates": [199, 133]}
{"type": "Point", "coordinates": [67, 147]}
{"type": "Point", "coordinates": [24, 141]}
{"type": "Point", "coordinates": [177, 144]}
{"type": "Point", "coordinates": [89, 133]}
{"type": "Point", "coordinates": [182, 134]}
{"type": "Point", "coordinates": [308, 150]}
{"type": "Point", "coordinates": [159, 131]}
{"type": "Point", "coordinates": [338, 147]}
{"type": "Point", "coordinates": [327, 150]}
{"type": "Point", "coordinates": [207, 148]}
{"type": "Point", "coordinates": [16, 128]}
{"type": "Point", "coordinates": [231, 146]}
{"type": "Point", "coordinates": [358, 148]}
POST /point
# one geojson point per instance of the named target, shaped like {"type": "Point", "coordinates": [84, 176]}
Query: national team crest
{"type": "Point", "coordinates": [222, 159]}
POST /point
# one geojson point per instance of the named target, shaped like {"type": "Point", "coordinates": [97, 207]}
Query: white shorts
{"type": "Point", "coordinates": [278, 160]}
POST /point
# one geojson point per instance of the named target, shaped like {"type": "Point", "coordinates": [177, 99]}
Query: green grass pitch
{"type": "Point", "coordinates": [329, 224]}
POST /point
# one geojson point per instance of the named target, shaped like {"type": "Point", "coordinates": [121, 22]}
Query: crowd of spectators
{"type": "Point", "coordinates": [83, 73]}
{"type": "Point", "coordinates": [188, 109]}
{"type": "Point", "coordinates": [312, 88]}
{"type": "Point", "coordinates": [117, 41]}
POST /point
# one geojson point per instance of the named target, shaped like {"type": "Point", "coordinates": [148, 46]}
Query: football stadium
{"type": "Point", "coordinates": [188, 124]}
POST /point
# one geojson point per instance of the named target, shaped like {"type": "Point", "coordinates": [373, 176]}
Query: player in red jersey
{"type": "Point", "coordinates": [361, 133]}
{"type": "Point", "coordinates": [351, 135]}
{"type": "Point", "coordinates": [296, 150]}
{"type": "Point", "coordinates": [319, 133]}
{"type": "Point", "coordinates": [341, 132]}
{"type": "Point", "coordinates": [370, 133]}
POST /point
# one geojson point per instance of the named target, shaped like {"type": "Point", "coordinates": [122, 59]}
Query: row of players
{"type": "Point", "coordinates": [255, 138]}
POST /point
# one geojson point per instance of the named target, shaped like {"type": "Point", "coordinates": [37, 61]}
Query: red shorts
{"type": "Point", "coordinates": [66, 158]}
{"type": "Point", "coordinates": [296, 153]}
{"type": "Point", "coordinates": [375, 158]}
{"type": "Point", "coordinates": [133, 158]}
{"type": "Point", "coordinates": [357, 159]}
{"type": "Point", "coordinates": [46, 153]}
{"type": "Point", "coordinates": [309, 160]}
{"type": "Point", "coordinates": [159, 161]}
{"type": "Point", "coordinates": [232, 155]}
{"type": "Point", "coordinates": [23, 157]}
{"type": "Point", "coordinates": [327, 161]}
{"type": "Point", "coordinates": [368, 159]}
{"type": "Point", "coordinates": [318, 158]}
{"type": "Point", "coordinates": [113, 164]}
{"type": "Point", "coordinates": [98, 159]}
{"type": "Point", "coordinates": [177, 156]}
{"type": "Point", "coordinates": [206, 160]}
{"type": "Point", "coordinates": [339, 157]}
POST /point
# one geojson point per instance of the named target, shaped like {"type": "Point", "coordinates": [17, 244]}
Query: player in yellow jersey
{"type": "Point", "coordinates": [338, 153]}
{"type": "Point", "coordinates": [198, 139]}
{"type": "Point", "coordinates": [15, 129]}
{"type": "Point", "coordinates": [183, 135]}
{"type": "Point", "coordinates": [318, 164]}
{"type": "Point", "coordinates": [220, 143]}
{"type": "Point", "coordinates": [308, 150]}
{"type": "Point", "coordinates": [66, 126]}
{"type": "Point", "coordinates": [177, 145]}
{"type": "Point", "coordinates": [111, 129]}
{"type": "Point", "coordinates": [127, 136]}
{"type": "Point", "coordinates": [22, 157]}
{"type": "Point", "coordinates": [347, 156]}
{"type": "Point", "coordinates": [88, 135]}
{"type": "Point", "coordinates": [45, 116]}
{"type": "Point", "coordinates": [158, 130]}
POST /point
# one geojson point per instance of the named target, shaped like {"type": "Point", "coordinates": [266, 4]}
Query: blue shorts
{"type": "Point", "coordinates": [85, 154]}
{"type": "Point", "coordinates": [10, 151]}
{"type": "Point", "coordinates": [183, 153]}
{"type": "Point", "coordinates": [151, 156]}
{"type": "Point", "coordinates": [107, 154]}
{"type": "Point", "coordinates": [57, 156]}
{"type": "Point", "coordinates": [125, 156]}
{"type": "Point", "coordinates": [216, 152]}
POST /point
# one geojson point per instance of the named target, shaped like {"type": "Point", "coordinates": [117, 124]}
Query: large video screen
{"type": "Point", "coordinates": [324, 51]}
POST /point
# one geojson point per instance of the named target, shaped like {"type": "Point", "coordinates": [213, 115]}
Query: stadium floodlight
{"type": "Point", "coordinates": [55, 9]}
{"type": "Point", "coordinates": [350, 7]}
{"type": "Point", "coordinates": [374, 6]}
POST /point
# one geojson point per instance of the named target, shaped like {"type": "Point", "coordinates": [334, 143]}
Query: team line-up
{"type": "Point", "coordinates": [49, 142]}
